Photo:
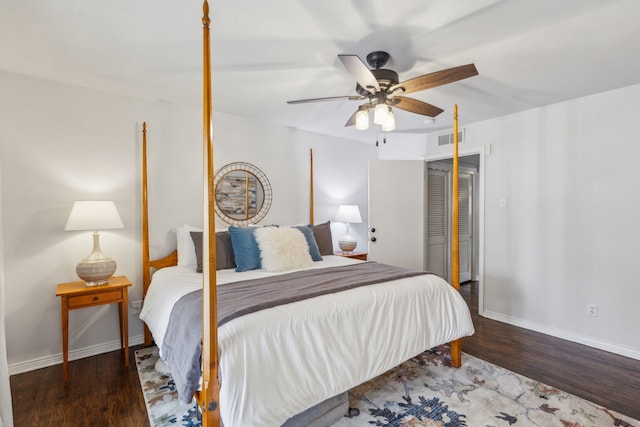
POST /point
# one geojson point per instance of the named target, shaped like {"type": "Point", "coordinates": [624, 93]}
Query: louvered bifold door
{"type": "Point", "coordinates": [437, 223]}
{"type": "Point", "coordinates": [465, 225]}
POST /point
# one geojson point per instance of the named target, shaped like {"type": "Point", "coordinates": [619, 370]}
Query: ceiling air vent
{"type": "Point", "coordinates": [447, 138]}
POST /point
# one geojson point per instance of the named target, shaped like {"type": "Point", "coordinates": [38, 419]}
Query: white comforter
{"type": "Point", "coordinates": [278, 362]}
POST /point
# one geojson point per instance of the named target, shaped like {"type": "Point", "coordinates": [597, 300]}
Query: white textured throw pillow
{"type": "Point", "coordinates": [186, 249]}
{"type": "Point", "coordinates": [282, 249]}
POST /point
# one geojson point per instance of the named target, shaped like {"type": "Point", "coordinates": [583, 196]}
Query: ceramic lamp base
{"type": "Point", "coordinates": [347, 244]}
{"type": "Point", "coordinates": [96, 269]}
{"type": "Point", "coordinates": [96, 272]}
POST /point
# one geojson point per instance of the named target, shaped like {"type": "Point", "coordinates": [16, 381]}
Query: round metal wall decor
{"type": "Point", "coordinates": [242, 194]}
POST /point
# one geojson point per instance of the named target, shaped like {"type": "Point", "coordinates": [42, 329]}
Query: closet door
{"type": "Point", "coordinates": [465, 182]}
{"type": "Point", "coordinates": [396, 212]}
{"type": "Point", "coordinates": [437, 208]}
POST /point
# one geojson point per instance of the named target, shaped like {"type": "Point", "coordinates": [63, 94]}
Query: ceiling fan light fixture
{"type": "Point", "coordinates": [383, 90]}
{"type": "Point", "coordinates": [381, 113]}
{"type": "Point", "coordinates": [390, 123]}
{"type": "Point", "coordinates": [362, 119]}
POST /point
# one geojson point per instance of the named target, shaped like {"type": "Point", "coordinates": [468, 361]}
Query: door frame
{"type": "Point", "coordinates": [445, 166]}
{"type": "Point", "coordinates": [480, 198]}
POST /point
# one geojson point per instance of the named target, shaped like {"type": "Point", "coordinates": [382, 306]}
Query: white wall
{"type": "Point", "coordinates": [60, 143]}
{"type": "Point", "coordinates": [568, 236]}
{"type": "Point", "coordinates": [6, 410]}
{"type": "Point", "coordinates": [340, 175]}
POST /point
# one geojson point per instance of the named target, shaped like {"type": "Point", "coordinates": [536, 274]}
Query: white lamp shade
{"type": "Point", "coordinates": [94, 215]}
{"type": "Point", "coordinates": [349, 214]}
{"type": "Point", "coordinates": [380, 114]}
{"type": "Point", "coordinates": [362, 120]}
{"type": "Point", "coordinates": [390, 123]}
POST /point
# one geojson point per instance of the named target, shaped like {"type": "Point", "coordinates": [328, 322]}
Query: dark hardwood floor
{"type": "Point", "coordinates": [102, 392]}
{"type": "Point", "coordinates": [601, 377]}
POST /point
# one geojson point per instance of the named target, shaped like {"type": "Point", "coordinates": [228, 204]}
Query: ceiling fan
{"type": "Point", "coordinates": [381, 89]}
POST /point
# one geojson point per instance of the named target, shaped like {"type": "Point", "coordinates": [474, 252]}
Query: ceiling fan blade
{"type": "Point", "coordinates": [438, 78]}
{"type": "Point", "coordinates": [360, 72]}
{"type": "Point", "coordinates": [330, 98]}
{"type": "Point", "coordinates": [352, 119]}
{"type": "Point", "coordinates": [415, 106]}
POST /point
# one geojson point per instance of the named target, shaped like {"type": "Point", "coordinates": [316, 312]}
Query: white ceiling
{"type": "Point", "coordinates": [266, 52]}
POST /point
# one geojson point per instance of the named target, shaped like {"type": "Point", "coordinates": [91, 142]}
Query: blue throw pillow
{"type": "Point", "coordinates": [245, 248]}
{"type": "Point", "coordinates": [314, 250]}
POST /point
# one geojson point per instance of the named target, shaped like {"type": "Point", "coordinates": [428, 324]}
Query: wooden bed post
{"type": "Point", "coordinates": [456, 346]}
{"type": "Point", "coordinates": [146, 273]}
{"type": "Point", "coordinates": [208, 399]}
{"type": "Point", "coordinates": [311, 186]}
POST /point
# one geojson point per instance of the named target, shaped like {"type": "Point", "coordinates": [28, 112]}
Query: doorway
{"type": "Point", "coordinates": [399, 214]}
{"type": "Point", "coordinates": [439, 206]}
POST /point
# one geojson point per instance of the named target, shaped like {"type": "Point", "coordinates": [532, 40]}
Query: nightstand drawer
{"type": "Point", "coordinates": [94, 299]}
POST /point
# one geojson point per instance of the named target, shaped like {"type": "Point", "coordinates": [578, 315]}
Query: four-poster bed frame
{"type": "Point", "coordinates": [208, 397]}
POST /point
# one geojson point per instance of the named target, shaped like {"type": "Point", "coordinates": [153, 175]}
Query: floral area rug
{"type": "Point", "coordinates": [160, 393]}
{"type": "Point", "coordinates": [424, 391]}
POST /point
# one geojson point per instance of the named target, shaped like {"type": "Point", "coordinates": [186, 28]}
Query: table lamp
{"type": "Point", "coordinates": [349, 214]}
{"type": "Point", "coordinates": [95, 269]}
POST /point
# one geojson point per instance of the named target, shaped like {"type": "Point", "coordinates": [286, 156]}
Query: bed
{"type": "Point", "coordinates": [287, 364]}
{"type": "Point", "coordinates": [278, 362]}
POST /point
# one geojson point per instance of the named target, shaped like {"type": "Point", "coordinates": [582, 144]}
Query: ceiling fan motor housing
{"type": "Point", "coordinates": [377, 59]}
{"type": "Point", "coordinates": [386, 79]}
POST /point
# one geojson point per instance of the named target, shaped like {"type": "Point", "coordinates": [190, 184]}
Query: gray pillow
{"type": "Point", "coordinates": [224, 251]}
{"type": "Point", "coordinates": [322, 233]}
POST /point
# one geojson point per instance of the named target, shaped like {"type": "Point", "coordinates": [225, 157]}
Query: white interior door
{"type": "Point", "coordinates": [396, 212]}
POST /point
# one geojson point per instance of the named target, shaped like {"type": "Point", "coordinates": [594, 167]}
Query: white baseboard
{"type": "Point", "coordinates": [56, 359]}
{"type": "Point", "coordinates": [566, 335]}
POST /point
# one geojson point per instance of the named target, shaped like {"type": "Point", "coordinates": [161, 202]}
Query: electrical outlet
{"type": "Point", "coordinates": [592, 310]}
{"type": "Point", "coordinates": [136, 306]}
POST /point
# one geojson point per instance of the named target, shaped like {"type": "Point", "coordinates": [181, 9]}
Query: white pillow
{"type": "Point", "coordinates": [282, 249]}
{"type": "Point", "coordinates": [186, 249]}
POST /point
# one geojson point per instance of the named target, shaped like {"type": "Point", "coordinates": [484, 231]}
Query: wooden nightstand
{"type": "Point", "coordinates": [355, 255]}
{"type": "Point", "coordinates": [76, 295]}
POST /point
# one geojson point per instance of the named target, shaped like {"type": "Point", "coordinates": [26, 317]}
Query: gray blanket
{"type": "Point", "coordinates": [182, 345]}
